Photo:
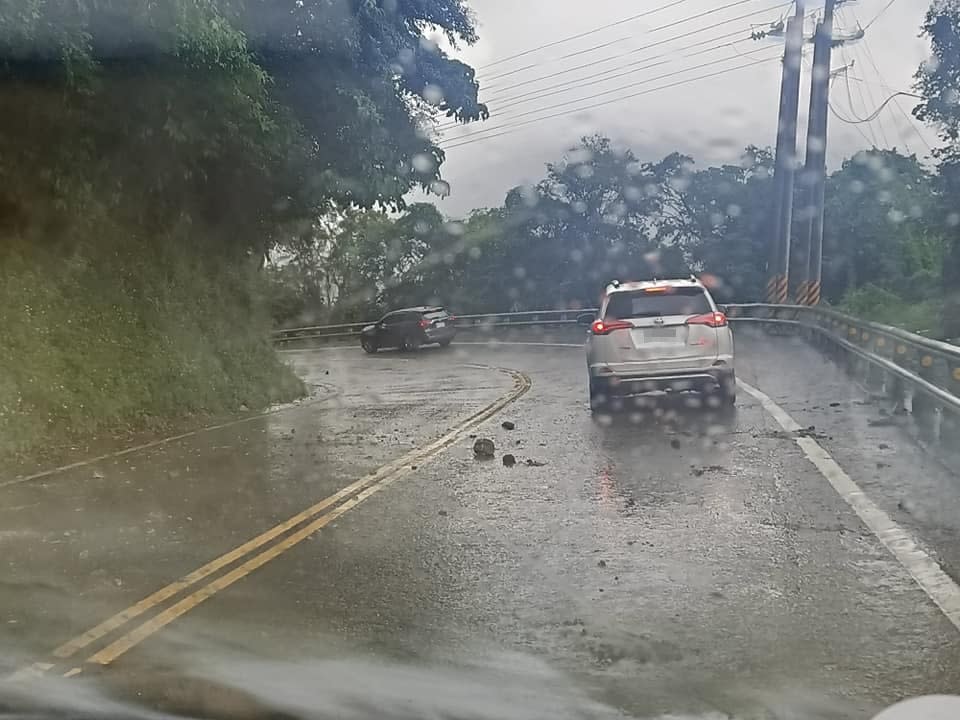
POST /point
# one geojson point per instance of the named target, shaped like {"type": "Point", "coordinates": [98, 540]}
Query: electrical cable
{"type": "Point", "coordinates": [778, 6]}
{"type": "Point", "coordinates": [879, 14]}
{"type": "Point", "coordinates": [565, 87]}
{"type": "Point", "coordinates": [583, 34]}
{"type": "Point", "coordinates": [508, 129]}
{"type": "Point", "coordinates": [617, 89]}
{"type": "Point", "coordinates": [866, 88]}
{"type": "Point", "coordinates": [911, 121]}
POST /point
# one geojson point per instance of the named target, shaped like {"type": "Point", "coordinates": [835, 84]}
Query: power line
{"type": "Point", "coordinates": [879, 14]}
{"type": "Point", "coordinates": [833, 110]}
{"type": "Point", "coordinates": [599, 77]}
{"type": "Point", "coordinates": [870, 96]}
{"type": "Point", "coordinates": [508, 129]}
{"type": "Point", "coordinates": [856, 127]}
{"type": "Point", "coordinates": [674, 23]}
{"type": "Point", "coordinates": [873, 116]}
{"type": "Point", "coordinates": [648, 46]}
{"type": "Point", "coordinates": [583, 34]}
{"type": "Point", "coordinates": [601, 61]}
{"type": "Point", "coordinates": [886, 87]}
{"type": "Point", "coordinates": [911, 121]}
{"type": "Point", "coordinates": [620, 88]}
{"type": "Point", "coordinates": [869, 91]}
{"type": "Point", "coordinates": [863, 101]}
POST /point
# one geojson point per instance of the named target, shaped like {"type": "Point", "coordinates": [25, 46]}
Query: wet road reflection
{"type": "Point", "coordinates": [662, 559]}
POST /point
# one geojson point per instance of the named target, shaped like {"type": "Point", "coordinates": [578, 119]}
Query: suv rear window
{"type": "Point", "coordinates": [435, 314]}
{"type": "Point", "coordinates": [675, 301]}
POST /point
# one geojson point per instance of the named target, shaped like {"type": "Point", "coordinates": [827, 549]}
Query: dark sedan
{"type": "Point", "coordinates": [408, 329]}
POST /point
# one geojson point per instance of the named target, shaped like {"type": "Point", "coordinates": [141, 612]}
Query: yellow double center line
{"type": "Point", "coordinates": [342, 502]}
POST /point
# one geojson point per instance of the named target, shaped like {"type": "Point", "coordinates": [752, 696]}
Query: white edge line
{"type": "Point", "coordinates": [925, 571]}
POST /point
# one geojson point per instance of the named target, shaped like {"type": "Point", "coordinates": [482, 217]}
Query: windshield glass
{"type": "Point", "coordinates": [330, 389]}
{"type": "Point", "coordinates": [672, 301]}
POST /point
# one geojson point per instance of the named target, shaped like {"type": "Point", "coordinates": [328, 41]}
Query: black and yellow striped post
{"type": "Point", "coordinates": [777, 290]}
{"type": "Point", "coordinates": [813, 293]}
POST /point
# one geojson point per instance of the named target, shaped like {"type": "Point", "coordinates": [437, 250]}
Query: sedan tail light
{"type": "Point", "coordinates": [711, 319]}
{"type": "Point", "coordinates": [605, 327]}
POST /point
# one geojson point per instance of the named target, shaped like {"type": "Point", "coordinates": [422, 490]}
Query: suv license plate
{"type": "Point", "coordinates": [653, 334]}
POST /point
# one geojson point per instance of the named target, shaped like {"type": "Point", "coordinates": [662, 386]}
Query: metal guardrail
{"type": "Point", "coordinates": [488, 322]}
{"type": "Point", "coordinates": [918, 373]}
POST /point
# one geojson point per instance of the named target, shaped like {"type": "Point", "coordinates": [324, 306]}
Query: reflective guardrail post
{"type": "Point", "coordinates": [932, 368]}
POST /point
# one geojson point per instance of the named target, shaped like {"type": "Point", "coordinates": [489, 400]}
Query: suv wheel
{"type": "Point", "coordinates": [369, 346]}
{"type": "Point", "coordinates": [598, 399]}
{"type": "Point", "coordinates": [728, 390]}
{"type": "Point", "coordinates": [411, 343]}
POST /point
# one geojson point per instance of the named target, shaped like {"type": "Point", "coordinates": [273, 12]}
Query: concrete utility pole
{"type": "Point", "coordinates": [814, 177]}
{"type": "Point", "coordinates": [786, 153]}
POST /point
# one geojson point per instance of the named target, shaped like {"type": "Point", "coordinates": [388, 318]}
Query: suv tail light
{"type": "Point", "coordinates": [605, 327]}
{"type": "Point", "coordinates": [711, 319]}
{"type": "Point", "coordinates": [424, 323]}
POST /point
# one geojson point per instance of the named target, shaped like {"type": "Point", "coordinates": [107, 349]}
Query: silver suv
{"type": "Point", "coordinates": [662, 335]}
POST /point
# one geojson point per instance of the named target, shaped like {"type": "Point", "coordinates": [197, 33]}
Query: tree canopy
{"type": "Point", "coordinates": [938, 82]}
{"type": "Point", "coordinates": [601, 213]}
{"type": "Point", "coordinates": [246, 119]}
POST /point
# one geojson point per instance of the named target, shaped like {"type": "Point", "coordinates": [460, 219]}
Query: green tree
{"type": "Point", "coordinates": [938, 81]}
{"type": "Point", "coordinates": [882, 226]}
{"type": "Point", "coordinates": [726, 238]}
{"type": "Point", "coordinates": [599, 213]}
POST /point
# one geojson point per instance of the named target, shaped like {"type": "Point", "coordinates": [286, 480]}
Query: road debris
{"type": "Point", "coordinates": [509, 460]}
{"type": "Point", "coordinates": [698, 471]}
{"type": "Point", "coordinates": [534, 463]}
{"type": "Point", "coordinates": [508, 425]}
{"type": "Point", "coordinates": [484, 448]}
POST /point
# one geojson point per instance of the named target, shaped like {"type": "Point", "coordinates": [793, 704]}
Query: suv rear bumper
{"type": "Point", "coordinates": [439, 335]}
{"type": "Point", "coordinates": [612, 385]}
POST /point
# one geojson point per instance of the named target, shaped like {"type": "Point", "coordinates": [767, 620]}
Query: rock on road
{"type": "Point", "coordinates": [688, 563]}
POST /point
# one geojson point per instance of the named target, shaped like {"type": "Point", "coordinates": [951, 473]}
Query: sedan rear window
{"type": "Point", "coordinates": [672, 301]}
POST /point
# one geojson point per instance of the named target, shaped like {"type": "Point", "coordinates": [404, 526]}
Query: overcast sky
{"type": "Point", "coordinates": [712, 119]}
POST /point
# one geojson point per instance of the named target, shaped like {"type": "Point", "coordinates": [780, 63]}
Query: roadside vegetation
{"type": "Point", "coordinates": [891, 244]}
{"type": "Point", "coordinates": [154, 155]}
{"type": "Point", "coordinates": [600, 212]}
{"type": "Point", "coordinates": [178, 177]}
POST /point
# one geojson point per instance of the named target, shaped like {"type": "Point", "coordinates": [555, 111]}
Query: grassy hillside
{"type": "Point", "coordinates": [131, 339]}
{"type": "Point", "coordinates": [917, 313]}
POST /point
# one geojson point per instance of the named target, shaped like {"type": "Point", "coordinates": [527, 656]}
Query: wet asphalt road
{"type": "Point", "coordinates": [676, 562]}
